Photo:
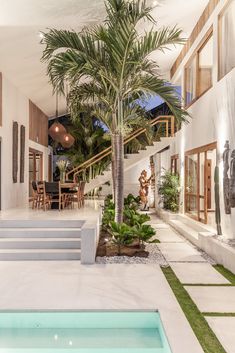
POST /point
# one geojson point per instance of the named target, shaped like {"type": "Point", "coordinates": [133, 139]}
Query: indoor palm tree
{"type": "Point", "coordinates": [107, 68]}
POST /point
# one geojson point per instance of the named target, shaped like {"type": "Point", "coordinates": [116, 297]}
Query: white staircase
{"type": "Point", "coordinates": [40, 240]}
{"type": "Point", "coordinates": [130, 161]}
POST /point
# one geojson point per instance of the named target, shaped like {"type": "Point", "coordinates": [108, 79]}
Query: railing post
{"type": "Point", "coordinates": [172, 126]}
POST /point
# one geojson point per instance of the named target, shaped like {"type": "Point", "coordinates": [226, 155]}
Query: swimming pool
{"type": "Point", "coordinates": [82, 332]}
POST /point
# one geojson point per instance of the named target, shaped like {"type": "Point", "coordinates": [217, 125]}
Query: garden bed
{"type": "Point", "coordinates": [106, 248]}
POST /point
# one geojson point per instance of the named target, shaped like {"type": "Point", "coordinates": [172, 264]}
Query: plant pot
{"type": "Point", "coordinates": [62, 177]}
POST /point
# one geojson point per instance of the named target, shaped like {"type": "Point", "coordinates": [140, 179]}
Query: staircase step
{"type": "Point", "coordinates": [40, 233]}
{"type": "Point", "coordinates": [41, 223]}
{"type": "Point", "coordinates": [46, 243]}
{"type": "Point", "coordinates": [39, 255]}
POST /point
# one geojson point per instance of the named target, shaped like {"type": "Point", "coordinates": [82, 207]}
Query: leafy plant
{"type": "Point", "coordinates": [131, 201]}
{"type": "Point", "coordinates": [169, 189]}
{"type": "Point", "coordinates": [144, 233]}
{"type": "Point", "coordinates": [122, 235]}
{"type": "Point", "coordinates": [108, 217]}
{"type": "Point", "coordinates": [134, 218]}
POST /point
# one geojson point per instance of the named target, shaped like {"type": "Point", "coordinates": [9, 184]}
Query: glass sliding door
{"type": "Point", "coordinates": [199, 197]}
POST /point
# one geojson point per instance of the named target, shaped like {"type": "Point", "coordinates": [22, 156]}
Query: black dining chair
{"type": "Point", "coordinates": [53, 194]}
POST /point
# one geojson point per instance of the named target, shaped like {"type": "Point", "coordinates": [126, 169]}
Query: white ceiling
{"type": "Point", "coordinates": [21, 21]}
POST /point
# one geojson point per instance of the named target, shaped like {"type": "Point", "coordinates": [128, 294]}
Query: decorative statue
{"type": "Point", "coordinates": [226, 181]}
{"type": "Point", "coordinates": [232, 180]}
{"type": "Point", "coordinates": [144, 189]}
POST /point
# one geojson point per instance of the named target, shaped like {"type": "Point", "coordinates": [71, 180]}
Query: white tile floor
{"type": "Point", "coordinates": [89, 212]}
{"type": "Point", "coordinates": [180, 252]}
{"type": "Point", "coordinates": [198, 273]}
{"type": "Point", "coordinates": [69, 285]}
{"type": "Point", "coordinates": [224, 328]}
{"type": "Point", "coordinates": [213, 299]}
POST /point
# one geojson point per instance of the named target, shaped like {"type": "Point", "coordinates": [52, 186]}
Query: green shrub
{"type": "Point", "coordinates": [144, 233]}
{"type": "Point", "coordinates": [132, 202]}
{"type": "Point", "coordinates": [169, 189]}
{"type": "Point", "coordinates": [133, 218]}
{"type": "Point", "coordinates": [108, 216]}
{"type": "Point", "coordinates": [122, 235]}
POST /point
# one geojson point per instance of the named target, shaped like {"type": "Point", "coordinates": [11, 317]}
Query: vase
{"type": "Point", "coordinates": [62, 176]}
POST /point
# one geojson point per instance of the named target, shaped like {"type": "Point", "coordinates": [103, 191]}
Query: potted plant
{"type": "Point", "coordinates": [62, 165]}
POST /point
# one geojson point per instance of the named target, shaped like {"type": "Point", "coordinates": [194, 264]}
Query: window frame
{"type": "Point", "coordinates": [204, 41]}
{"type": "Point", "coordinates": [219, 39]}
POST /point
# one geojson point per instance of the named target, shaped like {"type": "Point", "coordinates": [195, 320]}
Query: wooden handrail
{"type": "Point", "coordinates": [158, 120]}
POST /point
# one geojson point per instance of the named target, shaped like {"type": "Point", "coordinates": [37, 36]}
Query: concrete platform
{"type": "Point", "coordinates": [198, 273]}
{"type": "Point", "coordinates": [180, 252]}
{"type": "Point", "coordinates": [224, 328]}
{"type": "Point", "coordinates": [213, 299]}
{"type": "Point", "coordinates": [72, 286]}
{"type": "Point", "coordinates": [168, 236]}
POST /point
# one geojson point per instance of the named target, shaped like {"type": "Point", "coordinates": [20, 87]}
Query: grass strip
{"type": "Point", "coordinates": [219, 314]}
{"type": "Point", "coordinates": [207, 285]}
{"type": "Point", "coordinates": [203, 332]}
{"type": "Point", "coordinates": [226, 273]}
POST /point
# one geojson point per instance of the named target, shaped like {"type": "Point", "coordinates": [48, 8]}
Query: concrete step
{"type": "Point", "coordinates": [46, 243]}
{"type": "Point", "coordinates": [187, 231]}
{"type": "Point", "coordinates": [39, 223]}
{"type": "Point", "coordinates": [40, 233]}
{"type": "Point", "coordinates": [39, 254]}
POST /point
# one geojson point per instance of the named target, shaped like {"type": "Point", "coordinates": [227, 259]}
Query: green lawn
{"type": "Point", "coordinates": [202, 330]}
{"type": "Point", "coordinates": [226, 273]}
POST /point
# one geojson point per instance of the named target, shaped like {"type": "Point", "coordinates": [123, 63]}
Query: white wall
{"type": "Point", "coordinates": [213, 118]}
{"type": "Point", "coordinates": [15, 107]}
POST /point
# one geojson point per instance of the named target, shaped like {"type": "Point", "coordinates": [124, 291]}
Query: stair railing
{"type": "Point", "coordinates": [169, 120]}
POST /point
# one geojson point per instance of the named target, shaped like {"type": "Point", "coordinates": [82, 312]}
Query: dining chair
{"type": "Point", "coordinates": [35, 195]}
{"type": "Point", "coordinates": [82, 189]}
{"type": "Point", "coordinates": [38, 194]}
{"type": "Point", "coordinates": [53, 194]}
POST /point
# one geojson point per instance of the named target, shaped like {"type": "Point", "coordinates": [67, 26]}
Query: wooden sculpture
{"type": "Point", "coordinates": [144, 189]}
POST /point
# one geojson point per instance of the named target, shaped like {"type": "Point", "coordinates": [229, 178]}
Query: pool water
{"type": "Point", "coordinates": [82, 332]}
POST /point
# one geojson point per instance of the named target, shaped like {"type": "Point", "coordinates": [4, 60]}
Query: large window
{"type": "Point", "coordinates": [227, 39]}
{"type": "Point", "coordinates": [199, 192]}
{"type": "Point", "coordinates": [198, 71]}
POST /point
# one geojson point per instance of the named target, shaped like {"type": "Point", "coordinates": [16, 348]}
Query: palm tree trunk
{"type": "Point", "coordinates": [119, 198]}
{"type": "Point", "coordinates": [113, 165]}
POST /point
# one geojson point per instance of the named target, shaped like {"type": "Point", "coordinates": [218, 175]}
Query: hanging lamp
{"type": "Point", "coordinates": [57, 129]}
{"type": "Point", "coordinates": [66, 140]}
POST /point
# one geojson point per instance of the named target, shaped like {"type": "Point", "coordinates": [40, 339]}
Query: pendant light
{"type": "Point", "coordinates": [57, 129]}
{"type": "Point", "coordinates": [67, 140]}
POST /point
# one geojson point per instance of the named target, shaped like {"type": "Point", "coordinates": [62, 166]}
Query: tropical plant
{"type": "Point", "coordinates": [122, 235]}
{"type": "Point", "coordinates": [90, 139]}
{"type": "Point", "coordinates": [134, 218]}
{"type": "Point", "coordinates": [108, 217]}
{"type": "Point", "coordinates": [169, 189]}
{"type": "Point", "coordinates": [132, 202]}
{"type": "Point", "coordinates": [108, 214]}
{"type": "Point", "coordinates": [144, 233]}
{"type": "Point", "coordinates": [107, 68]}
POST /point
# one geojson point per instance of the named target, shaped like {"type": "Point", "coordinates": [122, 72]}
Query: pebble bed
{"type": "Point", "coordinates": [155, 255]}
